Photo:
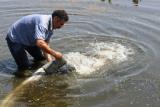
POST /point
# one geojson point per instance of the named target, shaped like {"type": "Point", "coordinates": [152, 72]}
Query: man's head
{"type": "Point", "coordinates": [59, 17]}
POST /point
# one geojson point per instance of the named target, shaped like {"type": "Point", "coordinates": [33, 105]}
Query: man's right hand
{"type": "Point", "coordinates": [58, 55]}
{"type": "Point", "coordinates": [45, 47]}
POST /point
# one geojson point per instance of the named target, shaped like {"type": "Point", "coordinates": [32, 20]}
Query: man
{"type": "Point", "coordinates": [32, 34]}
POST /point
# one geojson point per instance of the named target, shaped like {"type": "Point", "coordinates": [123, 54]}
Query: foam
{"type": "Point", "coordinates": [83, 64]}
{"type": "Point", "coordinates": [99, 54]}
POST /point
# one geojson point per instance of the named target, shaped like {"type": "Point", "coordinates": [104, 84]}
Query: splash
{"type": "Point", "coordinates": [98, 55]}
{"type": "Point", "coordinates": [83, 64]}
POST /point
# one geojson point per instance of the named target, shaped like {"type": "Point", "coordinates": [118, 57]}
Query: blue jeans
{"type": "Point", "coordinates": [19, 54]}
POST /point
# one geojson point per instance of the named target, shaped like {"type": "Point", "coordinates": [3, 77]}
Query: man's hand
{"type": "Point", "coordinates": [45, 47]}
{"type": "Point", "coordinates": [48, 57]}
{"type": "Point", "coordinates": [58, 55]}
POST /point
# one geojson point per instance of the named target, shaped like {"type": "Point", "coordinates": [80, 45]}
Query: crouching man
{"type": "Point", "coordinates": [32, 34]}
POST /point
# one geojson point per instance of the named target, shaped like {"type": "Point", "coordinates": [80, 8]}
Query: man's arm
{"type": "Point", "coordinates": [45, 48]}
{"type": "Point", "coordinates": [48, 57]}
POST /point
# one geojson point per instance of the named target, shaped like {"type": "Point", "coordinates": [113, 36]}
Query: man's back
{"type": "Point", "coordinates": [26, 29]}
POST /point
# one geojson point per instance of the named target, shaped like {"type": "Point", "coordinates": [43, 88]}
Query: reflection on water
{"type": "Point", "coordinates": [109, 1]}
{"type": "Point", "coordinates": [136, 2]}
{"type": "Point", "coordinates": [50, 91]}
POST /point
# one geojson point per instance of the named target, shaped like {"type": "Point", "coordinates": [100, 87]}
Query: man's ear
{"type": "Point", "coordinates": [56, 18]}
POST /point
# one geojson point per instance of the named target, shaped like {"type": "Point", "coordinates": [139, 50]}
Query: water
{"type": "Point", "coordinates": [113, 44]}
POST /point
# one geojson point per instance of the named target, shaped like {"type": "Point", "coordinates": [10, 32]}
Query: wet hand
{"type": "Point", "coordinates": [58, 55]}
{"type": "Point", "coordinates": [50, 58]}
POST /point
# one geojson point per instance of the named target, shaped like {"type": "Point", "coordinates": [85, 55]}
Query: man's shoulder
{"type": "Point", "coordinates": [33, 16]}
{"type": "Point", "coordinates": [40, 16]}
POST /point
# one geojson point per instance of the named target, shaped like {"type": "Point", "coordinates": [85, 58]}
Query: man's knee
{"type": "Point", "coordinates": [19, 54]}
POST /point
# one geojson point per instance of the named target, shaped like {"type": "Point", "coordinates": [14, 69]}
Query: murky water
{"type": "Point", "coordinates": [113, 44]}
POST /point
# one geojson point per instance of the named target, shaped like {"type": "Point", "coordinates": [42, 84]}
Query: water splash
{"type": "Point", "coordinates": [99, 54]}
{"type": "Point", "coordinates": [84, 64]}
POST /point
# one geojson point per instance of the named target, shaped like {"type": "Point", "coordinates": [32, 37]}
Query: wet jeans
{"type": "Point", "coordinates": [19, 53]}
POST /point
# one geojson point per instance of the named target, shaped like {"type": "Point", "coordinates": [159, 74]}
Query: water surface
{"type": "Point", "coordinates": [114, 45]}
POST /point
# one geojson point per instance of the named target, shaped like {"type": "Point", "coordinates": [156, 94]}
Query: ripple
{"type": "Point", "coordinates": [110, 60]}
{"type": "Point", "coordinates": [99, 56]}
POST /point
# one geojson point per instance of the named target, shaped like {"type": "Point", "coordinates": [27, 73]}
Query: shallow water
{"type": "Point", "coordinates": [113, 44]}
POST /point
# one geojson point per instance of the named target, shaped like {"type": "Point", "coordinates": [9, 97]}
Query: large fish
{"type": "Point", "coordinates": [57, 66]}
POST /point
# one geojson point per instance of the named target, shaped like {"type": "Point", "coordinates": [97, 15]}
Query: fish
{"type": "Point", "coordinates": [59, 66]}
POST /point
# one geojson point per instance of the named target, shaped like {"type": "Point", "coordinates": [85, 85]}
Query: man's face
{"type": "Point", "coordinates": [57, 22]}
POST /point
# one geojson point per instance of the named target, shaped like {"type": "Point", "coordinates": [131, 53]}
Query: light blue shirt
{"type": "Point", "coordinates": [29, 28]}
